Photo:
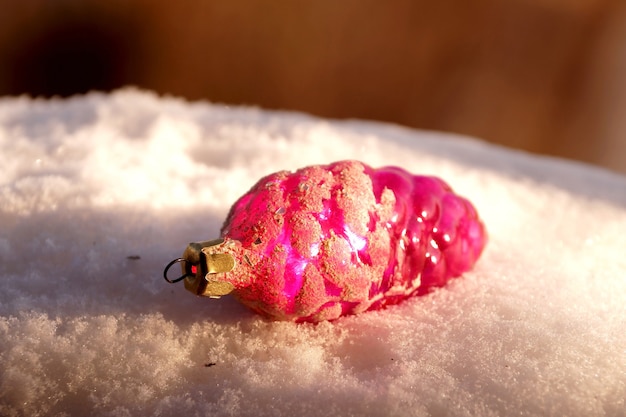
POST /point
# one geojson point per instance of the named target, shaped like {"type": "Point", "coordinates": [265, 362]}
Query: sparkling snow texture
{"type": "Point", "coordinates": [98, 193]}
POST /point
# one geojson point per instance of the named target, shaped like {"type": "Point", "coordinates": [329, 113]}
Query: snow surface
{"type": "Point", "coordinates": [89, 184]}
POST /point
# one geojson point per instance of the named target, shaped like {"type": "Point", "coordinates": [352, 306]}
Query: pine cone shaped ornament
{"type": "Point", "coordinates": [327, 241]}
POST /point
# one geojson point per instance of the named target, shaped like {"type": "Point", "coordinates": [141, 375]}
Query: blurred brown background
{"type": "Point", "coordinates": [545, 76]}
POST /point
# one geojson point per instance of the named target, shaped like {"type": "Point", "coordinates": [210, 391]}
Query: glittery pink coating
{"type": "Point", "coordinates": [344, 238]}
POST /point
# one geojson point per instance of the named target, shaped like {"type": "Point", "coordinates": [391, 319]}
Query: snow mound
{"type": "Point", "coordinates": [99, 192]}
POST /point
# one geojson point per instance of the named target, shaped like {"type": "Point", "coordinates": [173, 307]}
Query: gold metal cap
{"type": "Point", "coordinates": [203, 267]}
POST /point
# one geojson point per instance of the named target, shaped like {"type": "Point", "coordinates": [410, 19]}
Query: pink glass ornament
{"type": "Point", "coordinates": [332, 240]}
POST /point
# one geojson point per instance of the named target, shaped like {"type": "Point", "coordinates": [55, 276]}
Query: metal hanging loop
{"type": "Point", "coordinates": [167, 268]}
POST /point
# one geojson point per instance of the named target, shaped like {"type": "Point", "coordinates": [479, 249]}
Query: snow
{"type": "Point", "coordinates": [98, 193]}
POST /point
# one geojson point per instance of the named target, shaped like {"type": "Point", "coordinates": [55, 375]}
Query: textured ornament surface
{"type": "Point", "coordinates": [328, 241]}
